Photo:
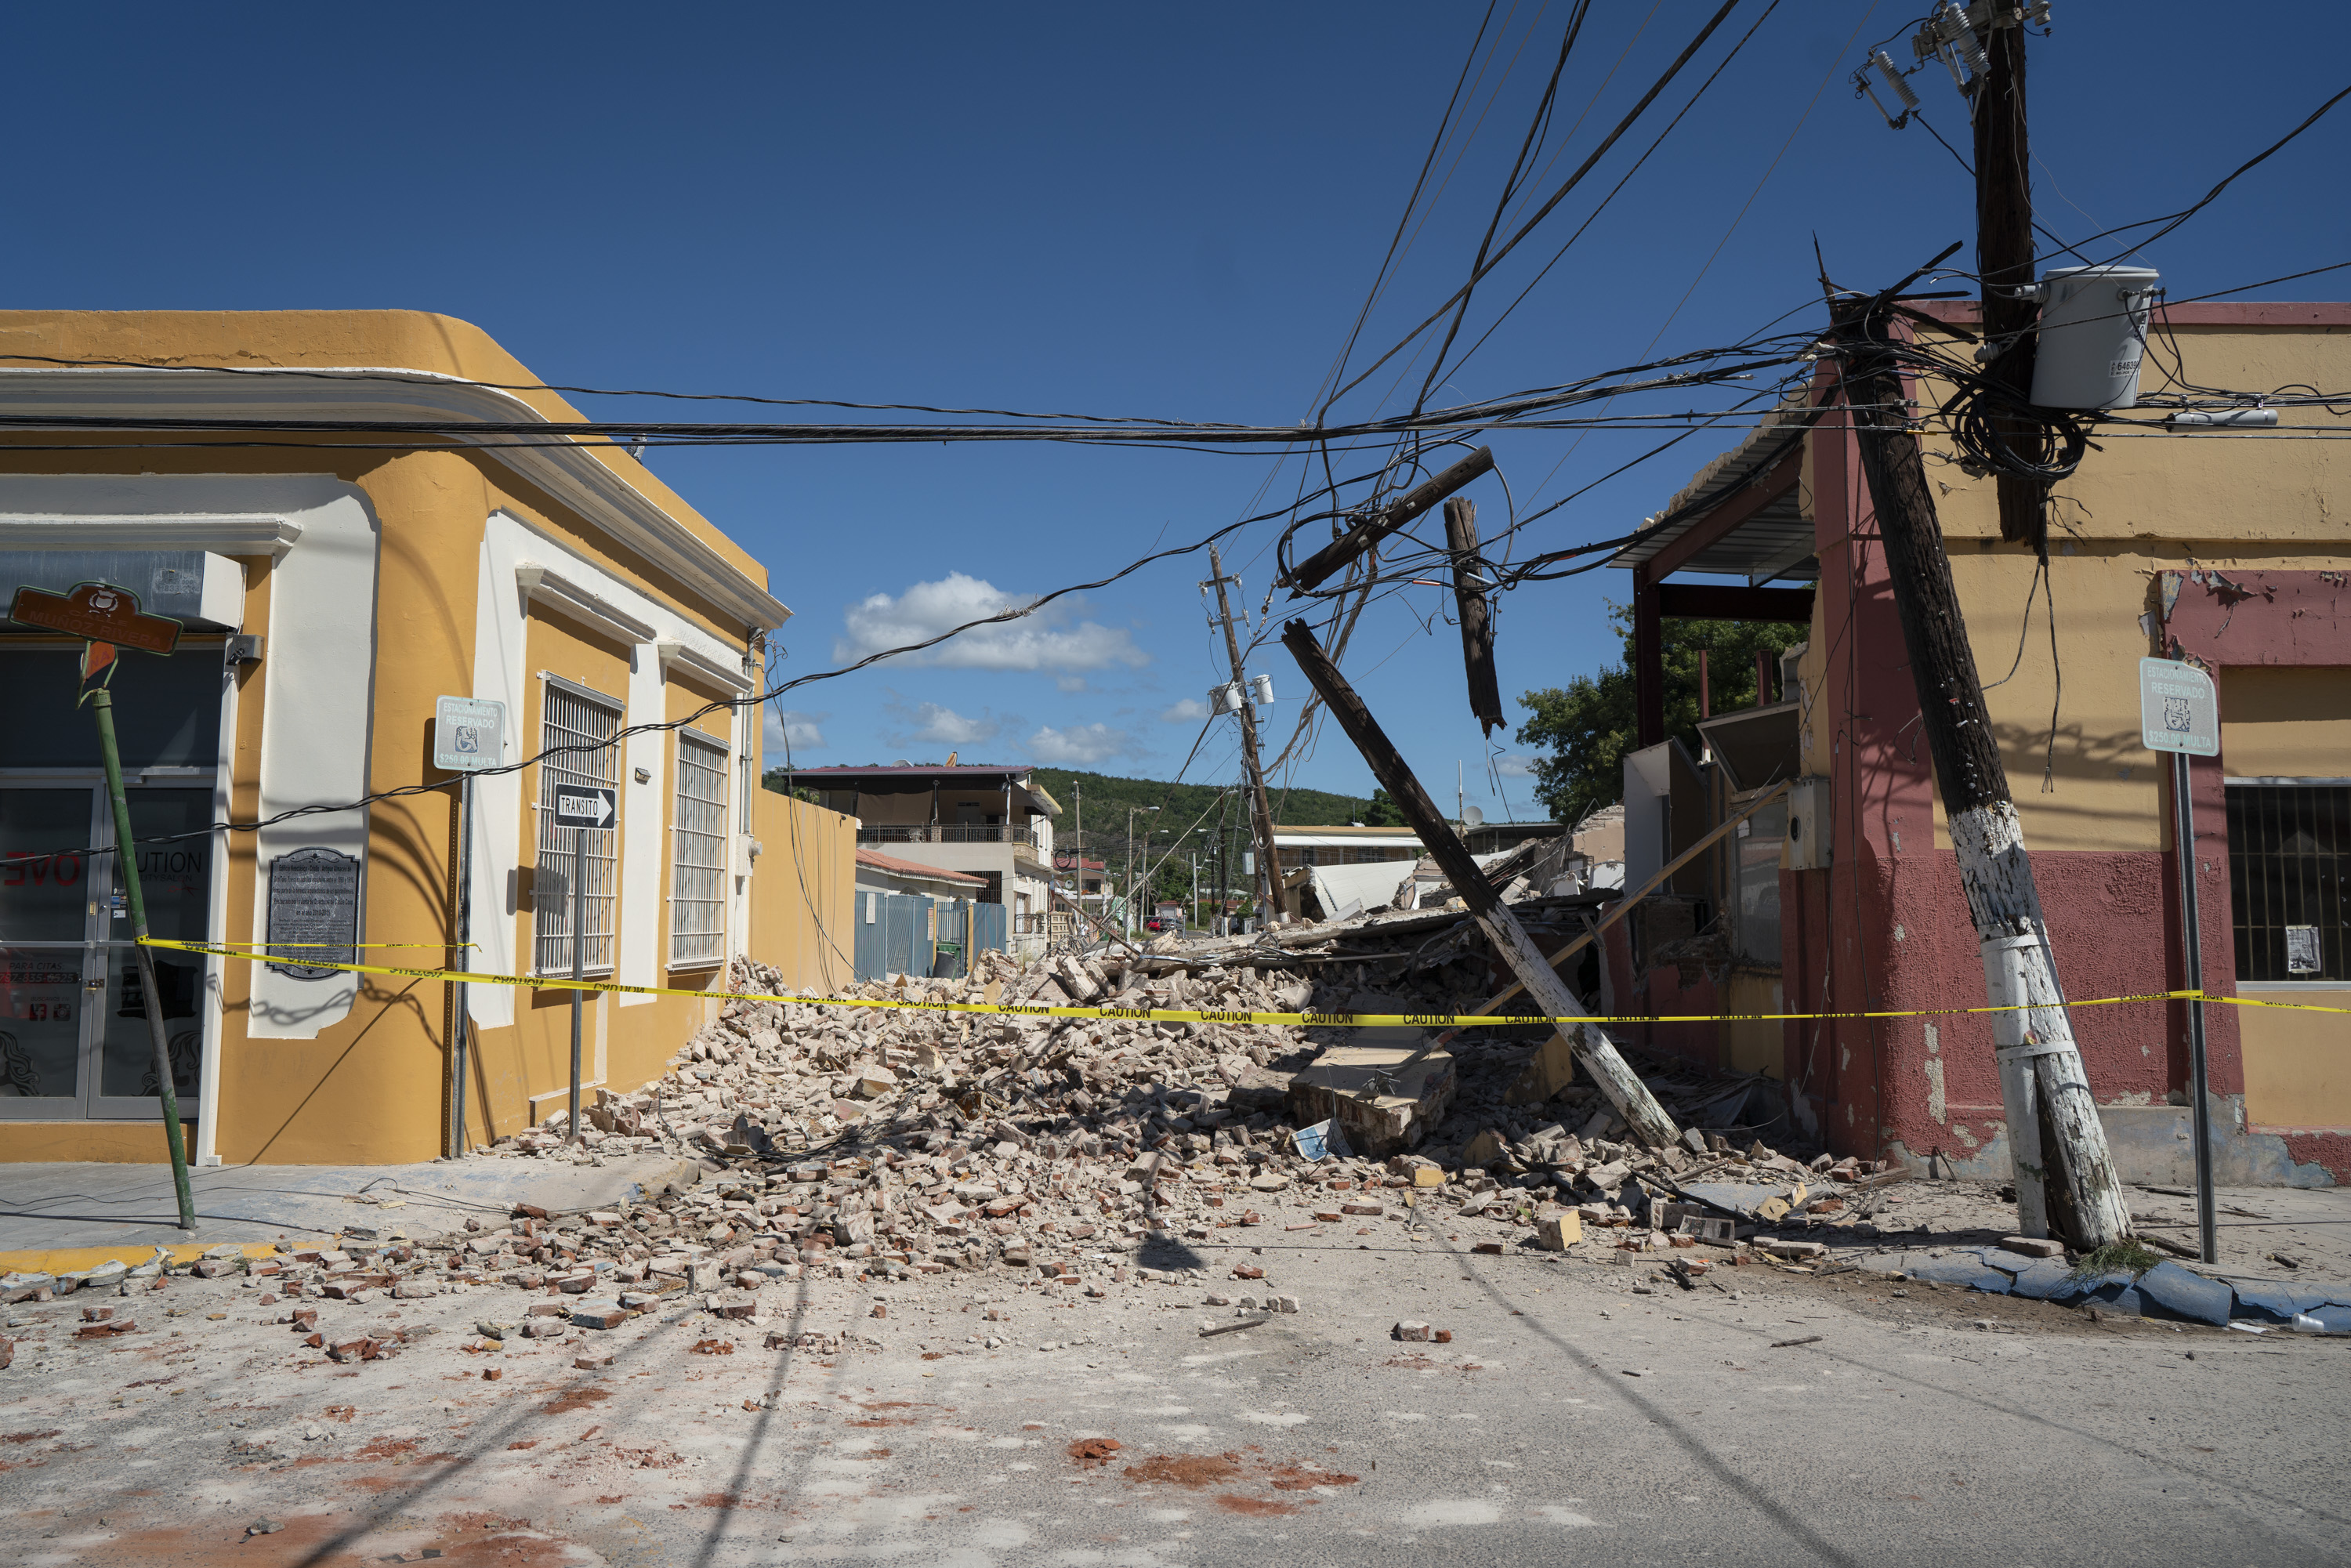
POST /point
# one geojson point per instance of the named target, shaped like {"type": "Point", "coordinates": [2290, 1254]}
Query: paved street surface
{"type": "Point", "coordinates": [1580, 1413]}
{"type": "Point", "coordinates": [71, 1206]}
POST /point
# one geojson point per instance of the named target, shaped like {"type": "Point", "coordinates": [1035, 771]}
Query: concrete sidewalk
{"type": "Point", "coordinates": [74, 1215]}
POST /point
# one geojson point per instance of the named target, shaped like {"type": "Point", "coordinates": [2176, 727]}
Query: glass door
{"type": "Point", "coordinates": [49, 969]}
{"type": "Point", "coordinates": [175, 879]}
{"type": "Point", "coordinates": [74, 1039]}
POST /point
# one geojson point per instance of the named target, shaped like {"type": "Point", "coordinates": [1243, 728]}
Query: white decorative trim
{"type": "Point", "coordinates": [272, 537]}
{"type": "Point", "coordinates": [552, 591]}
{"type": "Point", "coordinates": [673, 654]}
{"type": "Point", "coordinates": [569, 471]}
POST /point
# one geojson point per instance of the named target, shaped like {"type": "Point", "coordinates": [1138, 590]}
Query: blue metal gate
{"type": "Point", "coordinates": [988, 923]}
{"type": "Point", "coordinates": [894, 934]}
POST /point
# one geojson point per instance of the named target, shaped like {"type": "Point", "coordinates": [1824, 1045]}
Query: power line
{"type": "Point", "coordinates": [1558, 196]}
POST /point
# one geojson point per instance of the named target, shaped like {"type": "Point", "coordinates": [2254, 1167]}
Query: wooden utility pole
{"type": "Point", "coordinates": [1327, 561]}
{"type": "Point", "coordinates": [2064, 1177]}
{"type": "Point", "coordinates": [1591, 1046]}
{"type": "Point", "coordinates": [2005, 257]}
{"type": "Point", "coordinates": [1469, 586]}
{"type": "Point", "coordinates": [1270, 901]}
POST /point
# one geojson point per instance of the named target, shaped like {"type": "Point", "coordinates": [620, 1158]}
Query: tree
{"type": "Point", "coordinates": [1587, 726]}
{"type": "Point", "coordinates": [1383, 812]}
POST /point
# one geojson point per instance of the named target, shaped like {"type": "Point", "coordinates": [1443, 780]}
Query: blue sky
{"type": "Point", "coordinates": [1111, 210]}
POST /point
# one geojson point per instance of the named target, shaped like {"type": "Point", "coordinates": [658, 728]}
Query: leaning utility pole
{"type": "Point", "coordinates": [1269, 867]}
{"type": "Point", "coordinates": [2004, 256]}
{"type": "Point", "coordinates": [2054, 1131]}
{"type": "Point", "coordinates": [1590, 1044]}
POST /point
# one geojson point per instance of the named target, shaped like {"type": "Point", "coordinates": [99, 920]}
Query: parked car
{"type": "Point", "coordinates": [1162, 922]}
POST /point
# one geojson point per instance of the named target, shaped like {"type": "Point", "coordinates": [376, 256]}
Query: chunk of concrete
{"type": "Point", "coordinates": [1557, 1232]}
{"type": "Point", "coordinates": [1386, 1089]}
{"type": "Point", "coordinates": [1552, 1070]}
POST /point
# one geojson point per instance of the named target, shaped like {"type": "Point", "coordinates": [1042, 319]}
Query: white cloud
{"type": "Point", "coordinates": [802, 728]}
{"type": "Point", "coordinates": [939, 724]}
{"type": "Point", "coordinates": [1191, 710]}
{"type": "Point", "coordinates": [1515, 767]}
{"type": "Point", "coordinates": [1068, 683]}
{"type": "Point", "coordinates": [1082, 743]}
{"type": "Point", "coordinates": [1052, 639]}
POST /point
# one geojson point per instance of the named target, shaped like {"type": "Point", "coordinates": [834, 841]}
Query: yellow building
{"type": "Point", "coordinates": [333, 587]}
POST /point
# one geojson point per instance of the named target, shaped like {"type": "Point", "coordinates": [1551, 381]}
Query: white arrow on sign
{"type": "Point", "coordinates": [583, 808]}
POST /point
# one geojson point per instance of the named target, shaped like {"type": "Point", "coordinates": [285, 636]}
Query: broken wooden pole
{"type": "Point", "coordinates": [2066, 1176]}
{"type": "Point", "coordinates": [1327, 561]}
{"type": "Point", "coordinates": [1469, 586]}
{"type": "Point", "coordinates": [1591, 1045]}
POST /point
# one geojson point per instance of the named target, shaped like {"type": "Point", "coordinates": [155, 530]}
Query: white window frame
{"type": "Point", "coordinates": [697, 862]}
{"type": "Point", "coordinates": [565, 709]}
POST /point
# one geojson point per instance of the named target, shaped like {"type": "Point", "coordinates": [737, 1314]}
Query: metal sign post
{"type": "Point", "coordinates": [583, 809]}
{"type": "Point", "coordinates": [104, 616]}
{"type": "Point", "coordinates": [2179, 713]}
{"type": "Point", "coordinates": [468, 736]}
{"type": "Point", "coordinates": [579, 962]}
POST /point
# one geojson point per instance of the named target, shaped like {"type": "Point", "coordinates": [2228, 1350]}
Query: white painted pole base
{"type": "Point", "coordinates": [2035, 1044]}
{"type": "Point", "coordinates": [2009, 972]}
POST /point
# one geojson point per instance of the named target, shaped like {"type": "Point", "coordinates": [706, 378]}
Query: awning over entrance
{"type": "Point", "coordinates": [1743, 515]}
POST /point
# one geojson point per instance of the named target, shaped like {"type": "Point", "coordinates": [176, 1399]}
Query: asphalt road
{"type": "Point", "coordinates": [1569, 1419]}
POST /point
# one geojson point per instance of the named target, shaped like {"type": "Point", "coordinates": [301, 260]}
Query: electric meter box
{"type": "Point", "coordinates": [2094, 323]}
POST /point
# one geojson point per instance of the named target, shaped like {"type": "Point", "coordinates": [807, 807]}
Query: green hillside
{"type": "Point", "coordinates": [1107, 799]}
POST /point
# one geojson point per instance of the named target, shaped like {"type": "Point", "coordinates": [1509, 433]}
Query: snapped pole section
{"type": "Point", "coordinates": [2191, 950]}
{"type": "Point", "coordinates": [579, 958]}
{"type": "Point", "coordinates": [126, 866]}
{"type": "Point", "coordinates": [1471, 584]}
{"type": "Point", "coordinates": [1591, 1045]}
{"type": "Point", "coordinates": [2065, 1177]}
{"type": "Point", "coordinates": [1331, 557]}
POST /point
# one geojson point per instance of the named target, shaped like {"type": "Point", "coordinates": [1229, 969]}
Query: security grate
{"type": "Point", "coordinates": [697, 878]}
{"type": "Point", "coordinates": [570, 716]}
{"type": "Point", "coordinates": [2289, 860]}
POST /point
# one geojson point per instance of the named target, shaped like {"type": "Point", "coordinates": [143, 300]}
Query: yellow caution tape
{"type": "Point", "coordinates": [1192, 1015]}
{"type": "Point", "coordinates": [264, 949]}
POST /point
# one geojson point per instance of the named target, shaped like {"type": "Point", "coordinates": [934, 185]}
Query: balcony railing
{"type": "Point", "coordinates": [944, 833]}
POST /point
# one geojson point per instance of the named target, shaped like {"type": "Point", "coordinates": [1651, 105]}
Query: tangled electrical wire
{"type": "Point", "coordinates": [1998, 433]}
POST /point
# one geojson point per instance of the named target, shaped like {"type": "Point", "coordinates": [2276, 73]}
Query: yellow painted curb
{"type": "Point", "coordinates": [74, 1260]}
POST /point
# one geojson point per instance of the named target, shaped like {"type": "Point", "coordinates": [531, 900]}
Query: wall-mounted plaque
{"type": "Point", "coordinates": [314, 913]}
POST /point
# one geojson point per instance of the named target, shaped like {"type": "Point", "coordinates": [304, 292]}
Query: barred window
{"type": "Point", "coordinates": [572, 716]}
{"type": "Point", "coordinates": [697, 836]}
{"type": "Point", "coordinates": [2289, 860]}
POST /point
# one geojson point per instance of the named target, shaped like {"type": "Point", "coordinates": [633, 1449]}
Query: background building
{"type": "Point", "coordinates": [994, 823]}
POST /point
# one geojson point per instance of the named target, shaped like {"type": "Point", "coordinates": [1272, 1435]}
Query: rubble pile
{"type": "Point", "coordinates": [1093, 1153]}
